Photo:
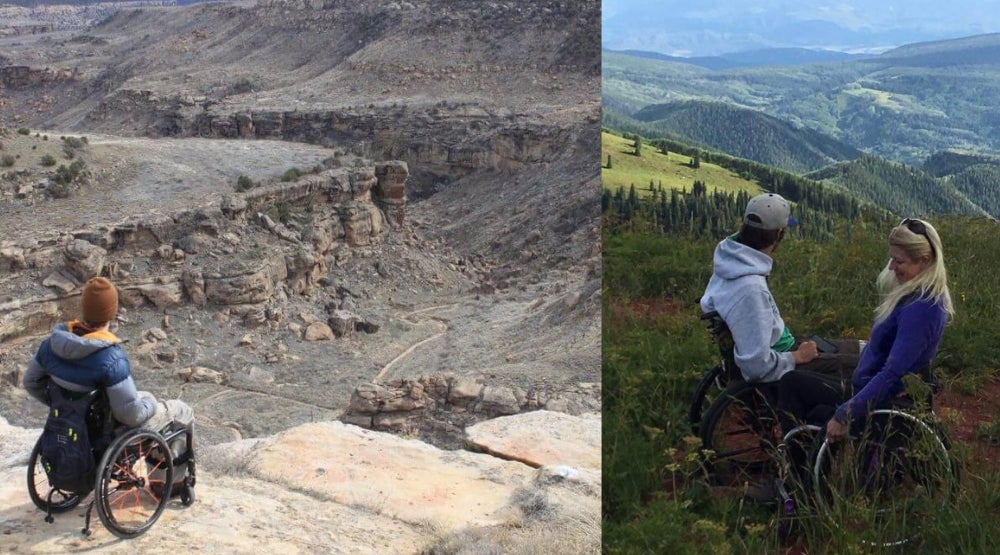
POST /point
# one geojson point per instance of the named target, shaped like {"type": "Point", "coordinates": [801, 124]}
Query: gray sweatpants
{"type": "Point", "coordinates": [173, 414]}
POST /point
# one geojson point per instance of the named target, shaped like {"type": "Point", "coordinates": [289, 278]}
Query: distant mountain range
{"type": "Point", "coordinates": [714, 27]}
{"type": "Point", "coordinates": [752, 58]}
{"type": "Point", "coordinates": [905, 104]}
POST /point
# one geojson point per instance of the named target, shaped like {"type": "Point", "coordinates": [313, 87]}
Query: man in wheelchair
{"type": "Point", "coordinates": [765, 349]}
{"type": "Point", "coordinates": [84, 355]}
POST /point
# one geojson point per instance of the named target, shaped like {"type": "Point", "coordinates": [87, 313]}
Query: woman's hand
{"type": "Point", "coordinates": [806, 352]}
{"type": "Point", "coordinates": [835, 431]}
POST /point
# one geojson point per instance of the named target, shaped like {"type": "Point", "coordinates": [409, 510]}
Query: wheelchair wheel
{"type": "Point", "coordinates": [708, 390]}
{"type": "Point", "coordinates": [39, 488]}
{"type": "Point", "coordinates": [133, 486]}
{"type": "Point", "coordinates": [883, 486]}
{"type": "Point", "coordinates": [742, 432]}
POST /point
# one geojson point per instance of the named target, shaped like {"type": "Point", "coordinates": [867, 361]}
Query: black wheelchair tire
{"type": "Point", "coordinates": [149, 444]}
{"type": "Point", "coordinates": [696, 412]}
{"type": "Point", "coordinates": [741, 432]}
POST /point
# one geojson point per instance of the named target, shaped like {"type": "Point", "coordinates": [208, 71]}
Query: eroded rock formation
{"type": "Point", "coordinates": [347, 206]}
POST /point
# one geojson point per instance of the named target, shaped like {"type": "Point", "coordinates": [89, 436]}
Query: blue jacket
{"type": "Point", "coordinates": [93, 361]}
{"type": "Point", "coordinates": [903, 343]}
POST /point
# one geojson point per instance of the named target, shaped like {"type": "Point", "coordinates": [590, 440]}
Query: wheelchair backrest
{"type": "Point", "coordinates": [101, 423]}
{"type": "Point", "coordinates": [723, 338]}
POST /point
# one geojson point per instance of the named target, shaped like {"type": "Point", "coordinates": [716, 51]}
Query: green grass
{"type": "Point", "coordinates": [673, 171]}
{"type": "Point", "coordinates": [655, 348]}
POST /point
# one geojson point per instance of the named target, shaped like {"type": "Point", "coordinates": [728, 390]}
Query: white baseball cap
{"type": "Point", "coordinates": [769, 211]}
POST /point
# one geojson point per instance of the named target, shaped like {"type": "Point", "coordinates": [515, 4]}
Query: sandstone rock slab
{"type": "Point", "coordinates": [403, 479]}
{"type": "Point", "coordinates": [542, 438]}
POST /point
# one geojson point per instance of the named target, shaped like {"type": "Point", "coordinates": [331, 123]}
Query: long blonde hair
{"type": "Point", "coordinates": [930, 284]}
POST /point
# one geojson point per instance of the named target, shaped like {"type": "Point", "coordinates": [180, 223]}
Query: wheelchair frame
{"type": "Point", "coordinates": [127, 499]}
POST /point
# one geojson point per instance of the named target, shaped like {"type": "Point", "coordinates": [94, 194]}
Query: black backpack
{"type": "Point", "coordinates": [67, 454]}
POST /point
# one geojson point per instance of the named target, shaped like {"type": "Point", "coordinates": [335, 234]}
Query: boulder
{"type": "Point", "coordinates": [240, 288]}
{"type": "Point", "coordinates": [464, 391]}
{"type": "Point", "coordinates": [202, 374]}
{"type": "Point", "coordinates": [542, 438]}
{"type": "Point", "coordinates": [12, 258]}
{"type": "Point", "coordinates": [84, 260]}
{"type": "Point", "coordinates": [498, 400]}
{"type": "Point", "coordinates": [60, 281]}
{"type": "Point", "coordinates": [162, 295]}
{"type": "Point", "coordinates": [318, 331]}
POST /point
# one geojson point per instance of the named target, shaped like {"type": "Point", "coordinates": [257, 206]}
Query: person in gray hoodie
{"type": "Point", "coordinates": [738, 291]}
{"type": "Point", "coordinates": [84, 355]}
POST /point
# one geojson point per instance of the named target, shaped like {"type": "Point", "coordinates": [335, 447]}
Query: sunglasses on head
{"type": "Point", "coordinates": [918, 227]}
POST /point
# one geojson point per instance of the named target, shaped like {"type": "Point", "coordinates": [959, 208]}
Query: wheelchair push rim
{"type": "Point", "coordinates": [884, 486]}
{"type": "Point", "coordinates": [133, 486]}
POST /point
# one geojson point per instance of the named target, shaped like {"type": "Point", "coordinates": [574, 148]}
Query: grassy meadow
{"type": "Point", "coordinates": [672, 171]}
{"type": "Point", "coordinates": [655, 349]}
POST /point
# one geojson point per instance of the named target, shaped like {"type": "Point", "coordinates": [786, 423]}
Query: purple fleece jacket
{"type": "Point", "coordinates": [904, 342]}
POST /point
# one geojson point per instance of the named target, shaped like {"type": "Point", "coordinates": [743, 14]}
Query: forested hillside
{"type": "Point", "coordinates": [746, 134]}
{"type": "Point", "coordinates": [697, 209]}
{"type": "Point", "coordinates": [950, 162]}
{"type": "Point", "coordinates": [982, 183]}
{"type": "Point", "coordinates": [900, 188]}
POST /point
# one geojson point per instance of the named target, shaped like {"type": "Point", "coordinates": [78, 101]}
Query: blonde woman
{"type": "Point", "coordinates": [909, 322]}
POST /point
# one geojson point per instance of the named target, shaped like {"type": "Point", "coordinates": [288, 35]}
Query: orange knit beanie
{"type": "Point", "coordinates": [100, 301]}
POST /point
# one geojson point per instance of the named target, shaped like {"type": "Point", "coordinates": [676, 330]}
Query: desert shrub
{"type": "Point", "coordinates": [68, 152]}
{"type": "Point", "coordinates": [74, 142]}
{"type": "Point", "coordinates": [291, 175]}
{"type": "Point", "coordinates": [48, 160]}
{"type": "Point", "coordinates": [7, 161]}
{"type": "Point", "coordinates": [242, 86]}
{"type": "Point", "coordinates": [244, 183]}
{"type": "Point", "coordinates": [45, 137]}
{"type": "Point", "coordinates": [24, 131]}
{"type": "Point", "coordinates": [59, 190]}
{"type": "Point", "coordinates": [68, 174]}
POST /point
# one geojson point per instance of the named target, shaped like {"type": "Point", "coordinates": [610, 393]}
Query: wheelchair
{"type": "Point", "coordinates": [134, 474]}
{"type": "Point", "coordinates": [888, 479]}
{"type": "Point", "coordinates": [736, 420]}
{"type": "Point", "coordinates": [881, 485]}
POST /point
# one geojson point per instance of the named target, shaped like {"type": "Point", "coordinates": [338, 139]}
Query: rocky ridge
{"type": "Point", "coordinates": [348, 490]}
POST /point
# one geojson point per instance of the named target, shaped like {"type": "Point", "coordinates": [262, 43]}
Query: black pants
{"type": "Point", "coordinates": [809, 398]}
{"type": "Point", "coordinates": [812, 392]}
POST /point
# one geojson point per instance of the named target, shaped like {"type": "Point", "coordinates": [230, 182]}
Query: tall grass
{"type": "Point", "coordinates": [656, 349]}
